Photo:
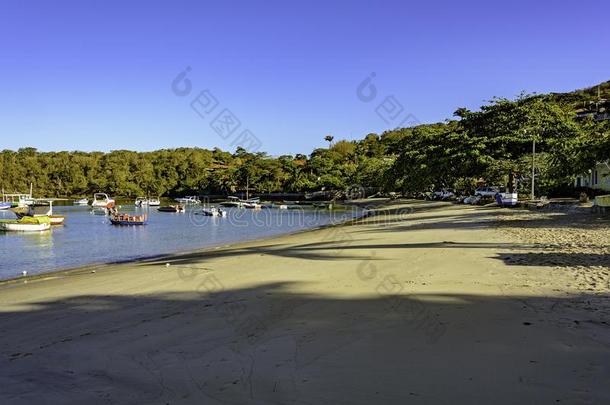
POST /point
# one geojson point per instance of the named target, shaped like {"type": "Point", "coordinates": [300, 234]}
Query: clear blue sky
{"type": "Point", "coordinates": [96, 75]}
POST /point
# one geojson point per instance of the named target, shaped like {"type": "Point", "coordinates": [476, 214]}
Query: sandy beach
{"type": "Point", "coordinates": [420, 302]}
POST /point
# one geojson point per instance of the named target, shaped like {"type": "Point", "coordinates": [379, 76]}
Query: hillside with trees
{"type": "Point", "coordinates": [493, 144]}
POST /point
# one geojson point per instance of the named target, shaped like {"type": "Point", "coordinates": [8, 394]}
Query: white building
{"type": "Point", "coordinates": [598, 178]}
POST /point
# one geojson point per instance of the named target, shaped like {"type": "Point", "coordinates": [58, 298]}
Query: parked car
{"type": "Point", "coordinates": [487, 191]}
{"type": "Point", "coordinates": [508, 199]}
{"type": "Point", "coordinates": [443, 194]}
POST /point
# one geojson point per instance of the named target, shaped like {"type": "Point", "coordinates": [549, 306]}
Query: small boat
{"type": "Point", "coordinates": [212, 212]}
{"type": "Point", "coordinates": [82, 201]}
{"type": "Point", "coordinates": [25, 224]}
{"type": "Point", "coordinates": [5, 204]}
{"type": "Point", "coordinates": [102, 200]}
{"type": "Point", "coordinates": [141, 202]}
{"type": "Point", "coordinates": [233, 202]}
{"type": "Point", "coordinates": [189, 199]}
{"type": "Point", "coordinates": [154, 202]}
{"type": "Point", "coordinates": [17, 200]}
{"type": "Point", "coordinates": [126, 219]}
{"type": "Point", "coordinates": [57, 219]}
{"type": "Point", "coordinates": [150, 202]}
{"type": "Point", "coordinates": [252, 205]}
{"type": "Point", "coordinates": [172, 208]}
{"type": "Point", "coordinates": [40, 208]}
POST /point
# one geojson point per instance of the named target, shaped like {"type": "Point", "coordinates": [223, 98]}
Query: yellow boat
{"type": "Point", "coordinates": [26, 224]}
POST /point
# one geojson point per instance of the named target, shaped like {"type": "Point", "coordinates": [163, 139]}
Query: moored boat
{"type": "Point", "coordinates": [233, 202]}
{"type": "Point", "coordinates": [57, 219]}
{"type": "Point", "coordinates": [82, 201]}
{"type": "Point", "coordinates": [4, 205]}
{"type": "Point", "coordinates": [172, 208]}
{"type": "Point", "coordinates": [102, 200]}
{"type": "Point", "coordinates": [252, 203]}
{"type": "Point", "coordinates": [126, 219]}
{"type": "Point", "coordinates": [18, 200]}
{"type": "Point", "coordinates": [141, 202]}
{"type": "Point", "coordinates": [40, 208]}
{"type": "Point", "coordinates": [25, 224]}
{"type": "Point", "coordinates": [253, 206]}
{"type": "Point", "coordinates": [189, 199]}
{"type": "Point", "coordinates": [150, 202]}
{"type": "Point", "coordinates": [212, 212]}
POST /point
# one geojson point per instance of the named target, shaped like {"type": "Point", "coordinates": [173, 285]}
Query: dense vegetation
{"type": "Point", "coordinates": [493, 144]}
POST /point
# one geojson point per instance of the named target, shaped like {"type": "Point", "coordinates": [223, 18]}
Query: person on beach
{"type": "Point", "coordinates": [498, 197]}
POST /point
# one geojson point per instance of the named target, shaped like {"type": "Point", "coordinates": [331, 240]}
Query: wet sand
{"type": "Point", "coordinates": [422, 303]}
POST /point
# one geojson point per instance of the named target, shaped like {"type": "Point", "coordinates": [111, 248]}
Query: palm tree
{"type": "Point", "coordinates": [329, 139]}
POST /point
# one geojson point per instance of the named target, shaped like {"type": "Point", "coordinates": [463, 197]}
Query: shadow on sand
{"type": "Point", "coordinates": [266, 344]}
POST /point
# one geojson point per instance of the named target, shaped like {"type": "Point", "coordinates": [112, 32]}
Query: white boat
{"type": "Point", "coordinates": [82, 201]}
{"type": "Point", "coordinates": [18, 200]}
{"type": "Point", "coordinates": [102, 200]}
{"type": "Point", "coordinates": [141, 202]}
{"type": "Point", "coordinates": [25, 224]}
{"type": "Point", "coordinates": [252, 205]}
{"type": "Point", "coordinates": [212, 212]}
{"type": "Point", "coordinates": [189, 199]}
{"type": "Point", "coordinates": [57, 219]}
{"type": "Point", "coordinates": [233, 202]}
{"type": "Point", "coordinates": [154, 202]}
{"type": "Point", "coordinates": [40, 208]}
{"type": "Point", "coordinates": [150, 202]}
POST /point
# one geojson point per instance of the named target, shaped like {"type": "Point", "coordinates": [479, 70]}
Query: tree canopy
{"type": "Point", "coordinates": [493, 143]}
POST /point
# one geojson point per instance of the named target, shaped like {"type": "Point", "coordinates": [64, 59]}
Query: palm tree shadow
{"type": "Point", "coordinates": [270, 344]}
{"type": "Point", "coordinates": [560, 259]}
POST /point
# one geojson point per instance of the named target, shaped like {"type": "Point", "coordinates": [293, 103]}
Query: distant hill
{"type": "Point", "coordinates": [582, 98]}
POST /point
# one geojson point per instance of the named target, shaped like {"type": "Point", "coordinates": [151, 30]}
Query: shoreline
{"type": "Point", "coordinates": [87, 268]}
{"type": "Point", "coordinates": [377, 311]}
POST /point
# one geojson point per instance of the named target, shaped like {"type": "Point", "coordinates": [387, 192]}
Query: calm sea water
{"type": "Point", "coordinates": [87, 238]}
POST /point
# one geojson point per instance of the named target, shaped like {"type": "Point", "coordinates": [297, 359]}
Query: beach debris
{"type": "Point", "coordinates": [166, 264]}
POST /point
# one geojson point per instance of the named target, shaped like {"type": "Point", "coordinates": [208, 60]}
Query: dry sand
{"type": "Point", "coordinates": [425, 303]}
